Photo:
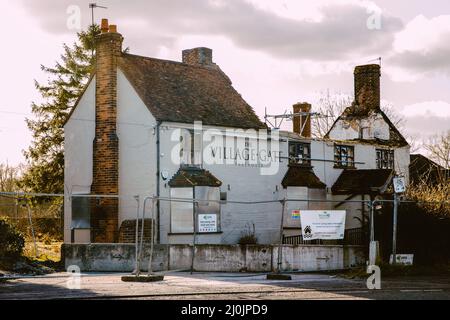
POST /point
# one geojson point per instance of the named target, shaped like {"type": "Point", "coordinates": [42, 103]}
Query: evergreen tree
{"type": "Point", "coordinates": [45, 156]}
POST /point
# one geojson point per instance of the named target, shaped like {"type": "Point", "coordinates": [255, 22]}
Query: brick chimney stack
{"type": "Point", "coordinates": [104, 211]}
{"type": "Point", "coordinates": [302, 121]}
{"type": "Point", "coordinates": [367, 88]}
{"type": "Point", "coordinates": [198, 56]}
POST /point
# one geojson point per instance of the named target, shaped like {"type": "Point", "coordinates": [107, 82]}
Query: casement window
{"type": "Point", "coordinates": [344, 156]}
{"type": "Point", "coordinates": [207, 213]}
{"type": "Point", "coordinates": [299, 153]}
{"type": "Point", "coordinates": [385, 159]}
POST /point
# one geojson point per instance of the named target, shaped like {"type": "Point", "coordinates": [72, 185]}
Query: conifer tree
{"type": "Point", "coordinates": [67, 79]}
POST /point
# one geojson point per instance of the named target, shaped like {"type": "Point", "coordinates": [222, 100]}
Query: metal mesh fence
{"type": "Point", "coordinates": [50, 220]}
{"type": "Point", "coordinates": [39, 220]}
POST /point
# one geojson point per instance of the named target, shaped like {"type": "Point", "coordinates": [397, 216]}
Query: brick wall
{"type": "Point", "coordinates": [127, 231]}
{"type": "Point", "coordinates": [299, 121]}
{"type": "Point", "coordinates": [367, 88]}
{"type": "Point", "coordinates": [197, 56]}
{"type": "Point", "coordinates": [104, 213]}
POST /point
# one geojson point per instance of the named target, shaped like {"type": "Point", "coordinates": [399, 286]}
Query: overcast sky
{"type": "Point", "coordinates": [275, 52]}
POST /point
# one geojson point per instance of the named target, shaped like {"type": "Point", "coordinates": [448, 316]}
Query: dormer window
{"type": "Point", "coordinates": [344, 156]}
{"type": "Point", "coordinates": [385, 159]}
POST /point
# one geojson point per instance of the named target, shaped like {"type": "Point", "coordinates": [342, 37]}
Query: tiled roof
{"type": "Point", "coordinates": [362, 181]}
{"type": "Point", "coordinates": [192, 176]}
{"type": "Point", "coordinates": [301, 176]}
{"type": "Point", "coordinates": [422, 169]}
{"type": "Point", "coordinates": [179, 92]}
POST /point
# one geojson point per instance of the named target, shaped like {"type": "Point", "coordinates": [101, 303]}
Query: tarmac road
{"type": "Point", "coordinates": [223, 286]}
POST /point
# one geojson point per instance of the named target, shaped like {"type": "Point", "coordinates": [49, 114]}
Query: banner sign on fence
{"type": "Point", "coordinates": [403, 259]}
{"type": "Point", "coordinates": [207, 223]}
{"type": "Point", "coordinates": [323, 224]}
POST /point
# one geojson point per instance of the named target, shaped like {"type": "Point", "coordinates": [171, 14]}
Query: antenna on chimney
{"type": "Point", "coordinates": [277, 119]}
{"type": "Point", "coordinates": [377, 59]}
{"type": "Point", "coordinates": [93, 6]}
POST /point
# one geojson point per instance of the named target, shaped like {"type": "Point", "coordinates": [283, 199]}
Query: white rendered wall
{"type": "Point", "coordinates": [137, 149]}
{"type": "Point", "coordinates": [79, 134]}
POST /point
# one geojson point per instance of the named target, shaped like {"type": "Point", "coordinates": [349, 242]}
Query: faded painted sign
{"type": "Point", "coordinates": [323, 224]}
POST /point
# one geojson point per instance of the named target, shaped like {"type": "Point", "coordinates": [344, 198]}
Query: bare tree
{"type": "Point", "coordinates": [331, 106]}
{"type": "Point", "coordinates": [397, 120]}
{"type": "Point", "coordinates": [9, 178]}
{"type": "Point", "coordinates": [438, 148]}
{"type": "Point", "coordinates": [414, 142]}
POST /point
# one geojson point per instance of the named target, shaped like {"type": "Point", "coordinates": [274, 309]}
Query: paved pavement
{"type": "Point", "coordinates": [224, 286]}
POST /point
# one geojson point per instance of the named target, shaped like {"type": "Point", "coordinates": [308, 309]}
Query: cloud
{"type": "Point", "coordinates": [427, 108]}
{"type": "Point", "coordinates": [340, 32]}
{"type": "Point", "coordinates": [423, 47]}
{"type": "Point", "coordinates": [426, 119]}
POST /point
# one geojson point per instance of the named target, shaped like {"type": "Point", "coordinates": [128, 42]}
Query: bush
{"type": "Point", "coordinates": [12, 241]}
{"type": "Point", "coordinates": [248, 235]}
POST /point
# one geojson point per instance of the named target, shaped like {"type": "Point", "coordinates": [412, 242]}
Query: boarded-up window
{"type": "Point", "coordinates": [81, 212]}
{"type": "Point", "coordinates": [210, 208]}
{"type": "Point", "coordinates": [181, 213]}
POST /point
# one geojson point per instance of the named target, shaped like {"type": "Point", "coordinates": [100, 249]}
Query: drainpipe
{"type": "Point", "coordinates": [158, 175]}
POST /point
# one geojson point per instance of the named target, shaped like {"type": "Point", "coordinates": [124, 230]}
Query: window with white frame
{"type": "Point", "coordinates": [344, 156]}
{"type": "Point", "coordinates": [299, 152]}
{"type": "Point", "coordinates": [385, 159]}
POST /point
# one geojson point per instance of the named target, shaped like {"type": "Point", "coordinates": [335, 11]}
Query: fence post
{"type": "Point", "coordinates": [32, 230]}
{"type": "Point", "coordinates": [136, 248]}
{"type": "Point", "coordinates": [195, 235]}
{"type": "Point", "coordinates": [152, 237]}
{"type": "Point", "coordinates": [280, 245]}
{"type": "Point", "coordinates": [373, 245]}
{"type": "Point", "coordinates": [372, 216]}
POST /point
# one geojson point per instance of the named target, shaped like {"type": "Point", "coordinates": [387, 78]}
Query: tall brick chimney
{"type": "Point", "coordinates": [104, 211]}
{"type": "Point", "coordinates": [367, 88]}
{"type": "Point", "coordinates": [302, 121]}
{"type": "Point", "coordinates": [197, 56]}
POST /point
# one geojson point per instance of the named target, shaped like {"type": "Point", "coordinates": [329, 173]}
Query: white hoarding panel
{"type": "Point", "coordinates": [322, 224]}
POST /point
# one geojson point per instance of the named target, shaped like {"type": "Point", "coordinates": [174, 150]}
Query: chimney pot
{"type": "Point", "coordinates": [113, 28]}
{"type": "Point", "coordinates": [104, 26]}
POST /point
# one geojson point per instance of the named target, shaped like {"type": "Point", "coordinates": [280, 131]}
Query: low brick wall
{"type": "Point", "coordinates": [214, 258]}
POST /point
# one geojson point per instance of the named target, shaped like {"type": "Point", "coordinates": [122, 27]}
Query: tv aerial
{"type": "Point", "coordinates": [92, 6]}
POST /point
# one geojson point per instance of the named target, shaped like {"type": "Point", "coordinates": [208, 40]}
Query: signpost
{"type": "Point", "coordinates": [399, 187]}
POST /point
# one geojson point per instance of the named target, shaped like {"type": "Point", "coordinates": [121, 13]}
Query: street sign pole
{"type": "Point", "coordinates": [399, 187]}
{"type": "Point", "coordinates": [394, 229]}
